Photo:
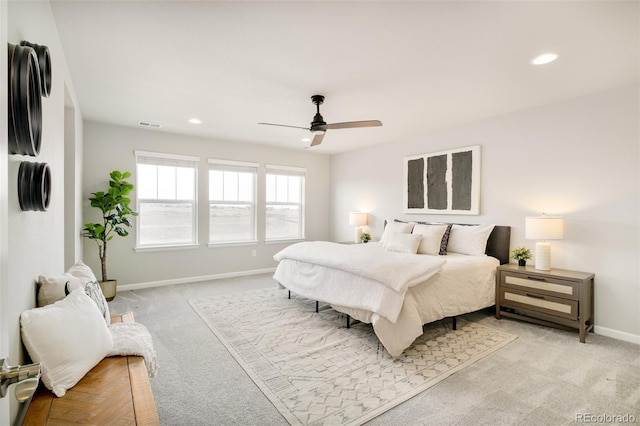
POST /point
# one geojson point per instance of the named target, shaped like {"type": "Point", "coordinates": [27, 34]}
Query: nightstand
{"type": "Point", "coordinates": [557, 298]}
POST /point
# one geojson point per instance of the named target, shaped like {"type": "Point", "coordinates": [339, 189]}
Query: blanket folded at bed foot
{"type": "Point", "coordinates": [398, 271]}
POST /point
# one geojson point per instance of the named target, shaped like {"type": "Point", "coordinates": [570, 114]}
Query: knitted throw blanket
{"type": "Point", "coordinates": [132, 338]}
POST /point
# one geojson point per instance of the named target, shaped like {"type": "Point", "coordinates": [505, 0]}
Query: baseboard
{"type": "Point", "coordinates": [617, 334]}
{"type": "Point", "coordinates": [150, 284]}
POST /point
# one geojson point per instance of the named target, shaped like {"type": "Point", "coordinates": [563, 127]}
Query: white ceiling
{"type": "Point", "coordinates": [416, 66]}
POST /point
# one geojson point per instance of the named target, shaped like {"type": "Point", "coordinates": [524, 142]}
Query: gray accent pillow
{"type": "Point", "coordinates": [93, 290]}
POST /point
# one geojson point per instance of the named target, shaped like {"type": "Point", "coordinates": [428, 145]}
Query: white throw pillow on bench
{"type": "Point", "coordinates": [69, 338]}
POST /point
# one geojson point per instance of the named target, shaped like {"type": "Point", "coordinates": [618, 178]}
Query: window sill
{"type": "Point", "coordinates": [285, 241]}
{"type": "Point", "coordinates": [233, 244]}
{"type": "Point", "coordinates": [166, 248]}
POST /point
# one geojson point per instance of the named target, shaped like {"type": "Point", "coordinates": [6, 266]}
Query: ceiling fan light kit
{"type": "Point", "coordinates": [319, 127]}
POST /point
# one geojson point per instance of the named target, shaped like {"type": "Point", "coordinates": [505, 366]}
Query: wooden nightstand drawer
{"type": "Point", "coordinates": [542, 285]}
{"type": "Point", "coordinates": [536, 302]}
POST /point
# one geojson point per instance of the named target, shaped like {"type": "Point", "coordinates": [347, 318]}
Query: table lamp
{"type": "Point", "coordinates": [357, 219]}
{"type": "Point", "coordinates": [543, 228]}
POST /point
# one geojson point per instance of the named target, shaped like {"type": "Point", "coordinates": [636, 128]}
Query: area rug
{"type": "Point", "coordinates": [316, 371]}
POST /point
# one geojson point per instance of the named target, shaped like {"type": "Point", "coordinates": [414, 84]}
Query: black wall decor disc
{"type": "Point", "coordinates": [44, 64]}
{"type": "Point", "coordinates": [34, 186]}
{"type": "Point", "coordinates": [25, 101]}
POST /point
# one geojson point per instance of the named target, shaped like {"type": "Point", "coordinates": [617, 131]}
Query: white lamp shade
{"type": "Point", "coordinates": [544, 228]}
{"type": "Point", "coordinates": [357, 219]}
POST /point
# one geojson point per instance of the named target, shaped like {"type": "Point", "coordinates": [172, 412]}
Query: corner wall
{"type": "Point", "coordinates": [109, 147]}
{"type": "Point", "coordinates": [35, 241]}
{"type": "Point", "coordinates": [578, 159]}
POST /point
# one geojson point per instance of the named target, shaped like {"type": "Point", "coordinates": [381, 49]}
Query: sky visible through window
{"type": "Point", "coordinates": [165, 182]}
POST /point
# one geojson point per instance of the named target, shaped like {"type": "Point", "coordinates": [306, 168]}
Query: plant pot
{"type": "Point", "coordinates": [522, 262]}
{"type": "Point", "coordinates": [109, 289]}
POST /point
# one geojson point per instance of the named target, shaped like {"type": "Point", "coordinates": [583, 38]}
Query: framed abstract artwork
{"type": "Point", "coordinates": [446, 182]}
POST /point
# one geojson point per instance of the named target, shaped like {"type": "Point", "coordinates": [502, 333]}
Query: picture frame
{"type": "Point", "coordinates": [445, 182]}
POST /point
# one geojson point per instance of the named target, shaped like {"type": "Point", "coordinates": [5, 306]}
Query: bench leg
{"type": "Point", "coordinates": [454, 323]}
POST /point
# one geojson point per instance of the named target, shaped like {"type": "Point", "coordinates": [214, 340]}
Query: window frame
{"type": "Point", "coordinates": [278, 170]}
{"type": "Point", "coordinates": [175, 160]}
{"type": "Point", "coordinates": [240, 166]}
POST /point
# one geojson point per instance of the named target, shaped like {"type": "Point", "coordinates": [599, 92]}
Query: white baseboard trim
{"type": "Point", "coordinates": [194, 279]}
{"type": "Point", "coordinates": [617, 334]}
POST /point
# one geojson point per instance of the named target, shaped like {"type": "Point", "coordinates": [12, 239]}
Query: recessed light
{"type": "Point", "coordinates": [195, 121]}
{"type": "Point", "coordinates": [306, 140]}
{"type": "Point", "coordinates": [545, 58]}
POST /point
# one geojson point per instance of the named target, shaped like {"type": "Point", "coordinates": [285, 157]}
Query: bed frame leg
{"type": "Point", "coordinates": [455, 323]}
{"type": "Point", "coordinates": [317, 306]}
{"type": "Point", "coordinates": [348, 321]}
{"type": "Point", "coordinates": [289, 294]}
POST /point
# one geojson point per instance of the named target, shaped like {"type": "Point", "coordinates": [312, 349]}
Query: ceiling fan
{"type": "Point", "coordinates": [319, 126]}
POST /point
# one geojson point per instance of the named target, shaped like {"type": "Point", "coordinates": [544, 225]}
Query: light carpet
{"type": "Point", "coordinates": [316, 371]}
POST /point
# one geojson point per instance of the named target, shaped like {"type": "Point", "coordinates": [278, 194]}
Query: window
{"type": "Point", "coordinates": [166, 189]}
{"type": "Point", "coordinates": [232, 201]}
{"type": "Point", "coordinates": [284, 203]}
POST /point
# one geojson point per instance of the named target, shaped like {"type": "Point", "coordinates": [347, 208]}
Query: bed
{"type": "Point", "coordinates": [396, 289]}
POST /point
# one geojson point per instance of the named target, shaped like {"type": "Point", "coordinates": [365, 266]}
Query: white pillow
{"type": "Point", "coordinates": [431, 238]}
{"type": "Point", "coordinates": [69, 338]}
{"type": "Point", "coordinates": [83, 272]}
{"type": "Point", "coordinates": [469, 239]}
{"type": "Point", "coordinates": [52, 289]}
{"type": "Point", "coordinates": [403, 243]}
{"type": "Point", "coordinates": [395, 228]}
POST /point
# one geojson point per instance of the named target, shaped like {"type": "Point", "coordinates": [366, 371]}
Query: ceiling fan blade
{"type": "Point", "coordinates": [317, 139]}
{"type": "Point", "coordinates": [353, 124]}
{"type": "Point", "coordinates": [284, 125]}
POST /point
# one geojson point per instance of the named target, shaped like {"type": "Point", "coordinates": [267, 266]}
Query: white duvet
{"type": "Point", "coordinates": [459, 285]}
{"type": "Point", "coordinates": [378, 279]}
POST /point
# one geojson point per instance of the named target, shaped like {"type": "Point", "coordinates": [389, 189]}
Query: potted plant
{"type": "Point", "coordinates": [521, 254]}
{"type": "Point", "coordinates": [365, 237]}
{"type": "Point", "coordinates": [114, 206]}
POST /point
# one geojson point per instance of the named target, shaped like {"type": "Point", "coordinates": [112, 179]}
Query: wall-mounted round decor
{"type": "Point", "coordinates": [44, 64]}
{"type": "Point", "coordinates": [25, 101]}
{"type": "Point", "coordinates": [34, 186]}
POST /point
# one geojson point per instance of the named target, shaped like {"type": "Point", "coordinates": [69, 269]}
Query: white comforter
{"type": "Point", "coordinates": [380, 278]}
{"type": "Point", "coordinates": [465, 284]}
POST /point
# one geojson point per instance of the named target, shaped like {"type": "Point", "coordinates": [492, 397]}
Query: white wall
{"type": "Point", "coordinates": [109, 147]}
{"type": "Point", "coordinates": [578, 159]}
{"type": "Point", "coordinates": [34, 240]}
{"type": "Point", "coordinates": [72, 182]}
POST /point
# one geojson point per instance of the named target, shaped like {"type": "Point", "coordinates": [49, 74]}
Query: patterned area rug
{"type": "Point", "coordinates": [315, 371]}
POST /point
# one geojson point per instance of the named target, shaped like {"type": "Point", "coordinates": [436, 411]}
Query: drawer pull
{"type": "Point", "coordinates": [536, 278]}
{"type": "Point", "coordinates": [535, 296]}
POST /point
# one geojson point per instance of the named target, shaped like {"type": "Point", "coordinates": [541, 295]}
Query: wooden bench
{"type": "Point", "coordinates": [116, 391]}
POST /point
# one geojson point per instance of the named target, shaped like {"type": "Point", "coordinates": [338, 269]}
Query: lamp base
{"type": "Point", "coordinates": [357, 239]}
{"type": "Point", "coordinates": [543, 256]}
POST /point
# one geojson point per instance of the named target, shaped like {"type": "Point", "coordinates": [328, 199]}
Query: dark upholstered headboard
{"type": "Point", "coordinates": [498, 244]}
